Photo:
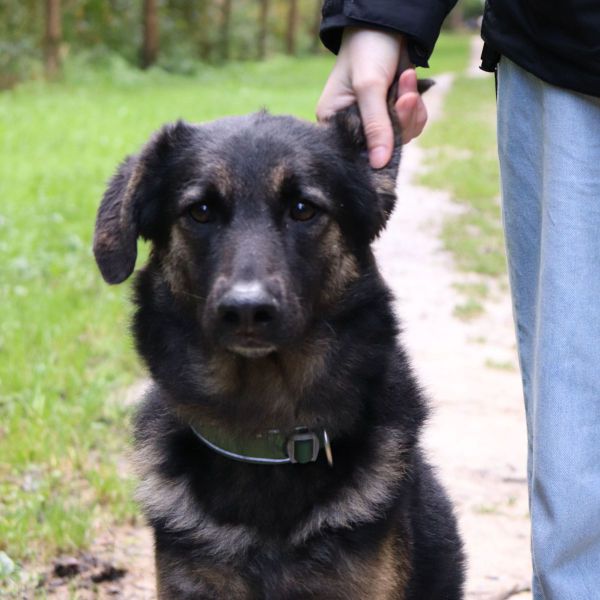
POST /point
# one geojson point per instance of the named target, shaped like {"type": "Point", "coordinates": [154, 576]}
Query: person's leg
{"type": "Point", "coordinates": [549, 147]}
{"type": "Point", "coordinates": [520, 130]}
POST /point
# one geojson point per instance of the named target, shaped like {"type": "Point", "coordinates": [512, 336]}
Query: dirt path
{"type": "Point", "coordinates": [476, 434]}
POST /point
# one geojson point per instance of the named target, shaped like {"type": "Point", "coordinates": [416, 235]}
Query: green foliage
{"type": "Point", "coordinates": [463, 160]}
{"type": "Point", "coordinates": [188, 31]}
{"type": "Point", "coordinates": [20, 36]}
{"type": "Point", "coordinates": [472, 9]}
{"type": "Point", "coordinates": [472, 306]}
{"type": "Point", "coordinates": [500, 366]}
{"type": "Point", "coordinates": [99, 26]}
{"type": "Point", "coordinates": [451, 55]}
{"type": "Point", "coordinates": [467, 310]}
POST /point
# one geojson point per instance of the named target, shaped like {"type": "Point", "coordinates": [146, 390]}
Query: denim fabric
{"type": "Point", "coordinates": [549, 147]}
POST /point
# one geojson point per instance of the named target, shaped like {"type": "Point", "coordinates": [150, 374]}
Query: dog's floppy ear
{"type": "Point", "coordinates": [349, 130]}
{"type": "Point", "coordinates": [131, 196]}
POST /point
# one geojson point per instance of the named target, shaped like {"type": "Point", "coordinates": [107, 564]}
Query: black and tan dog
{"type": "Point", "coordinates": [278, 448]}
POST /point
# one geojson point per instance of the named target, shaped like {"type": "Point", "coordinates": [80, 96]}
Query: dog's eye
{"type": "Point", "coordinates": [302, 211]}
{"type": "Point", "coordinates": [201, 212]}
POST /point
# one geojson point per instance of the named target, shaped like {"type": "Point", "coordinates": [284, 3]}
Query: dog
{"type": "Point", "coordinates": [278, 447]}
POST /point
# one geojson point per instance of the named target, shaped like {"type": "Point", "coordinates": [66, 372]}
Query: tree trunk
{"type": "Point", "coordinates": [290, 38]}
{"type": "Point", "coordinates": [316, 27]}
{"type": "Point", "coordinates": [456, 20]}
{"type": "Point", "coordinates": [263, 21]}
{"type": "Point", "coordinates": [52, 38]}
{"type": "Point", "coordinates": [225, 27]}
{"type": "Point", "coordinates": [150, 43]}
{"type": "Point", "coordinates": [205, 43]}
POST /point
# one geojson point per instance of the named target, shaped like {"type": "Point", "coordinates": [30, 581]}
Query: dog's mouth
{"type": "Point", "coordinates": [251, 348]}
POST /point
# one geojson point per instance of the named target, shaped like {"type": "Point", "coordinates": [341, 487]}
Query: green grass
{"type": "Point", "coordinates": [474, 294]}
{"type": "Point", "coordinates": [500, 365]}
{"type": "Point", "coordinates": [451, 55]}
{"type": "Point", "coordinates": [65, 351]}
{"type": "Point", "coordinates": [462, 158]}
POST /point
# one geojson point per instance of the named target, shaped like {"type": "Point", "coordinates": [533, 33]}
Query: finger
{"type": "Point", "coordinates": [376, 122]}
{"type": "Point", "coordinates": [412, 114]}
{"type": "Point", "coordinates": [405, 109]}
{"type": "Point", "coordinates": [415, 126]}
{"type": "Point", "coordinates": [407, 82]}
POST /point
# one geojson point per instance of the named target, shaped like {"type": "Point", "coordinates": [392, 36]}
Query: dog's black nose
{"type": "Point", "coordinates": [247, 307]}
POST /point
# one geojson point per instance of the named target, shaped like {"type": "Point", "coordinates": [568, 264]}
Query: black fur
{"type": "Point", "coordinates": [377, 524]}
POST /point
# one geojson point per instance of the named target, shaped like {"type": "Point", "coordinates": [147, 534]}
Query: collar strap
{"type": "Point", "coordinates": [273, 447]}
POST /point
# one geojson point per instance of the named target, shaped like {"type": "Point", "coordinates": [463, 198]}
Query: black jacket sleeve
{"type": "Point", "coordinates": [419, 20]}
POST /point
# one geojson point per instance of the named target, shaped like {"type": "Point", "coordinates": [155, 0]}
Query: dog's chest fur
{"type": "Point", "coordinates": [258, 531]}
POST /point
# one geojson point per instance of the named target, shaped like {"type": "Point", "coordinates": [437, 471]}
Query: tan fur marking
{"type": "Point", "coordinates": [171, 500]}
{"type": "Point", "coordinates": [175, 264]}
{"type": "Point", "coordinates": [400, 555]}
{"type": "Point", "coordinates": [176, 577]}
{"type": "Point", "coordinates": [226, 583]}
{"type": "Point", "coordinates": [125, 214]}
{"type": "Point", "coordinates": [393, 570]}
{"type": "Point", "coordinates": [376, 579]}
{"type": "Point", "coordinates": [351, 577]}
{"type": "Point", "coordinates": [343, 267]}
{"type": "Point", "coordinates": [303, 365]}
{"type": "Point", "coordinates": [277, 176]}
{"type": "Point", "coordinates": [106, 241]}
{"type": "Point", "coordinates": [192, 192]}
{"type": "Point", "coordinates": [384, 182]}
{"type": "Point", "coordinates": [222, 178]}
{"type": "Point", "coordinates": [221, 375]}
{"type": "Point", "coordinates": [316, 193]}
{"type": "Point", "coordinates": [276, 384]}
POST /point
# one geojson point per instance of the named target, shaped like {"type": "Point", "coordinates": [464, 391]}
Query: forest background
{"type": "Point", "coordinates": [38, 37]}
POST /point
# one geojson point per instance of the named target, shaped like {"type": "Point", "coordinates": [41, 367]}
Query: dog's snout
{"type": "Point", "coordinates": [247, 306]}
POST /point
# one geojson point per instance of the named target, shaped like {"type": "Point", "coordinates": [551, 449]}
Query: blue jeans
{"type": "Point", "coordinates": [549, 147]}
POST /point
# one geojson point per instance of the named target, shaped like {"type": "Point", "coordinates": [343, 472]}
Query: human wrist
{"type": "Point", "coordinates": [368, 36]}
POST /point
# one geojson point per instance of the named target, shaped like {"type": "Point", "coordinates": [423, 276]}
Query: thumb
{"type": "Point", "coordinates": [407, 82]}
{"type": "Point", "coordinates": [372, 104]}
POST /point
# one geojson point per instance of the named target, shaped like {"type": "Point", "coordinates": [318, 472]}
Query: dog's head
{"type": "Point", "coordinates": [257, 223]}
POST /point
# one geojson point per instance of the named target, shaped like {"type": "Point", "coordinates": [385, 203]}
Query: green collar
{"type": "Point", "coordinates": [273, 447]}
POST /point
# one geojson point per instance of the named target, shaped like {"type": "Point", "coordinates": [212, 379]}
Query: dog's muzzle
{"type": "Point", "coordinates": [248, 318]}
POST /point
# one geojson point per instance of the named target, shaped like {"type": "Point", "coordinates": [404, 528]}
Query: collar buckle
{"type": "Point", "coordinates": [303, 446]}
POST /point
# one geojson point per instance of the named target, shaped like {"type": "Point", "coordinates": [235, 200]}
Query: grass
{"type": "Point", "coordinates": [64, 348]}
{"type": "Point", "coordinates": [500, 365]}
{"type": "Point", "coordinates": [472, 307]}
{"type": "Point", "coordinates": [451, 55]}
{"type": "Point", "coordinates": [462, 159]}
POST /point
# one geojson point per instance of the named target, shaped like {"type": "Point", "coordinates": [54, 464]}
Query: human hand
{"type": "Point", "coordinates": [366, 65]}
